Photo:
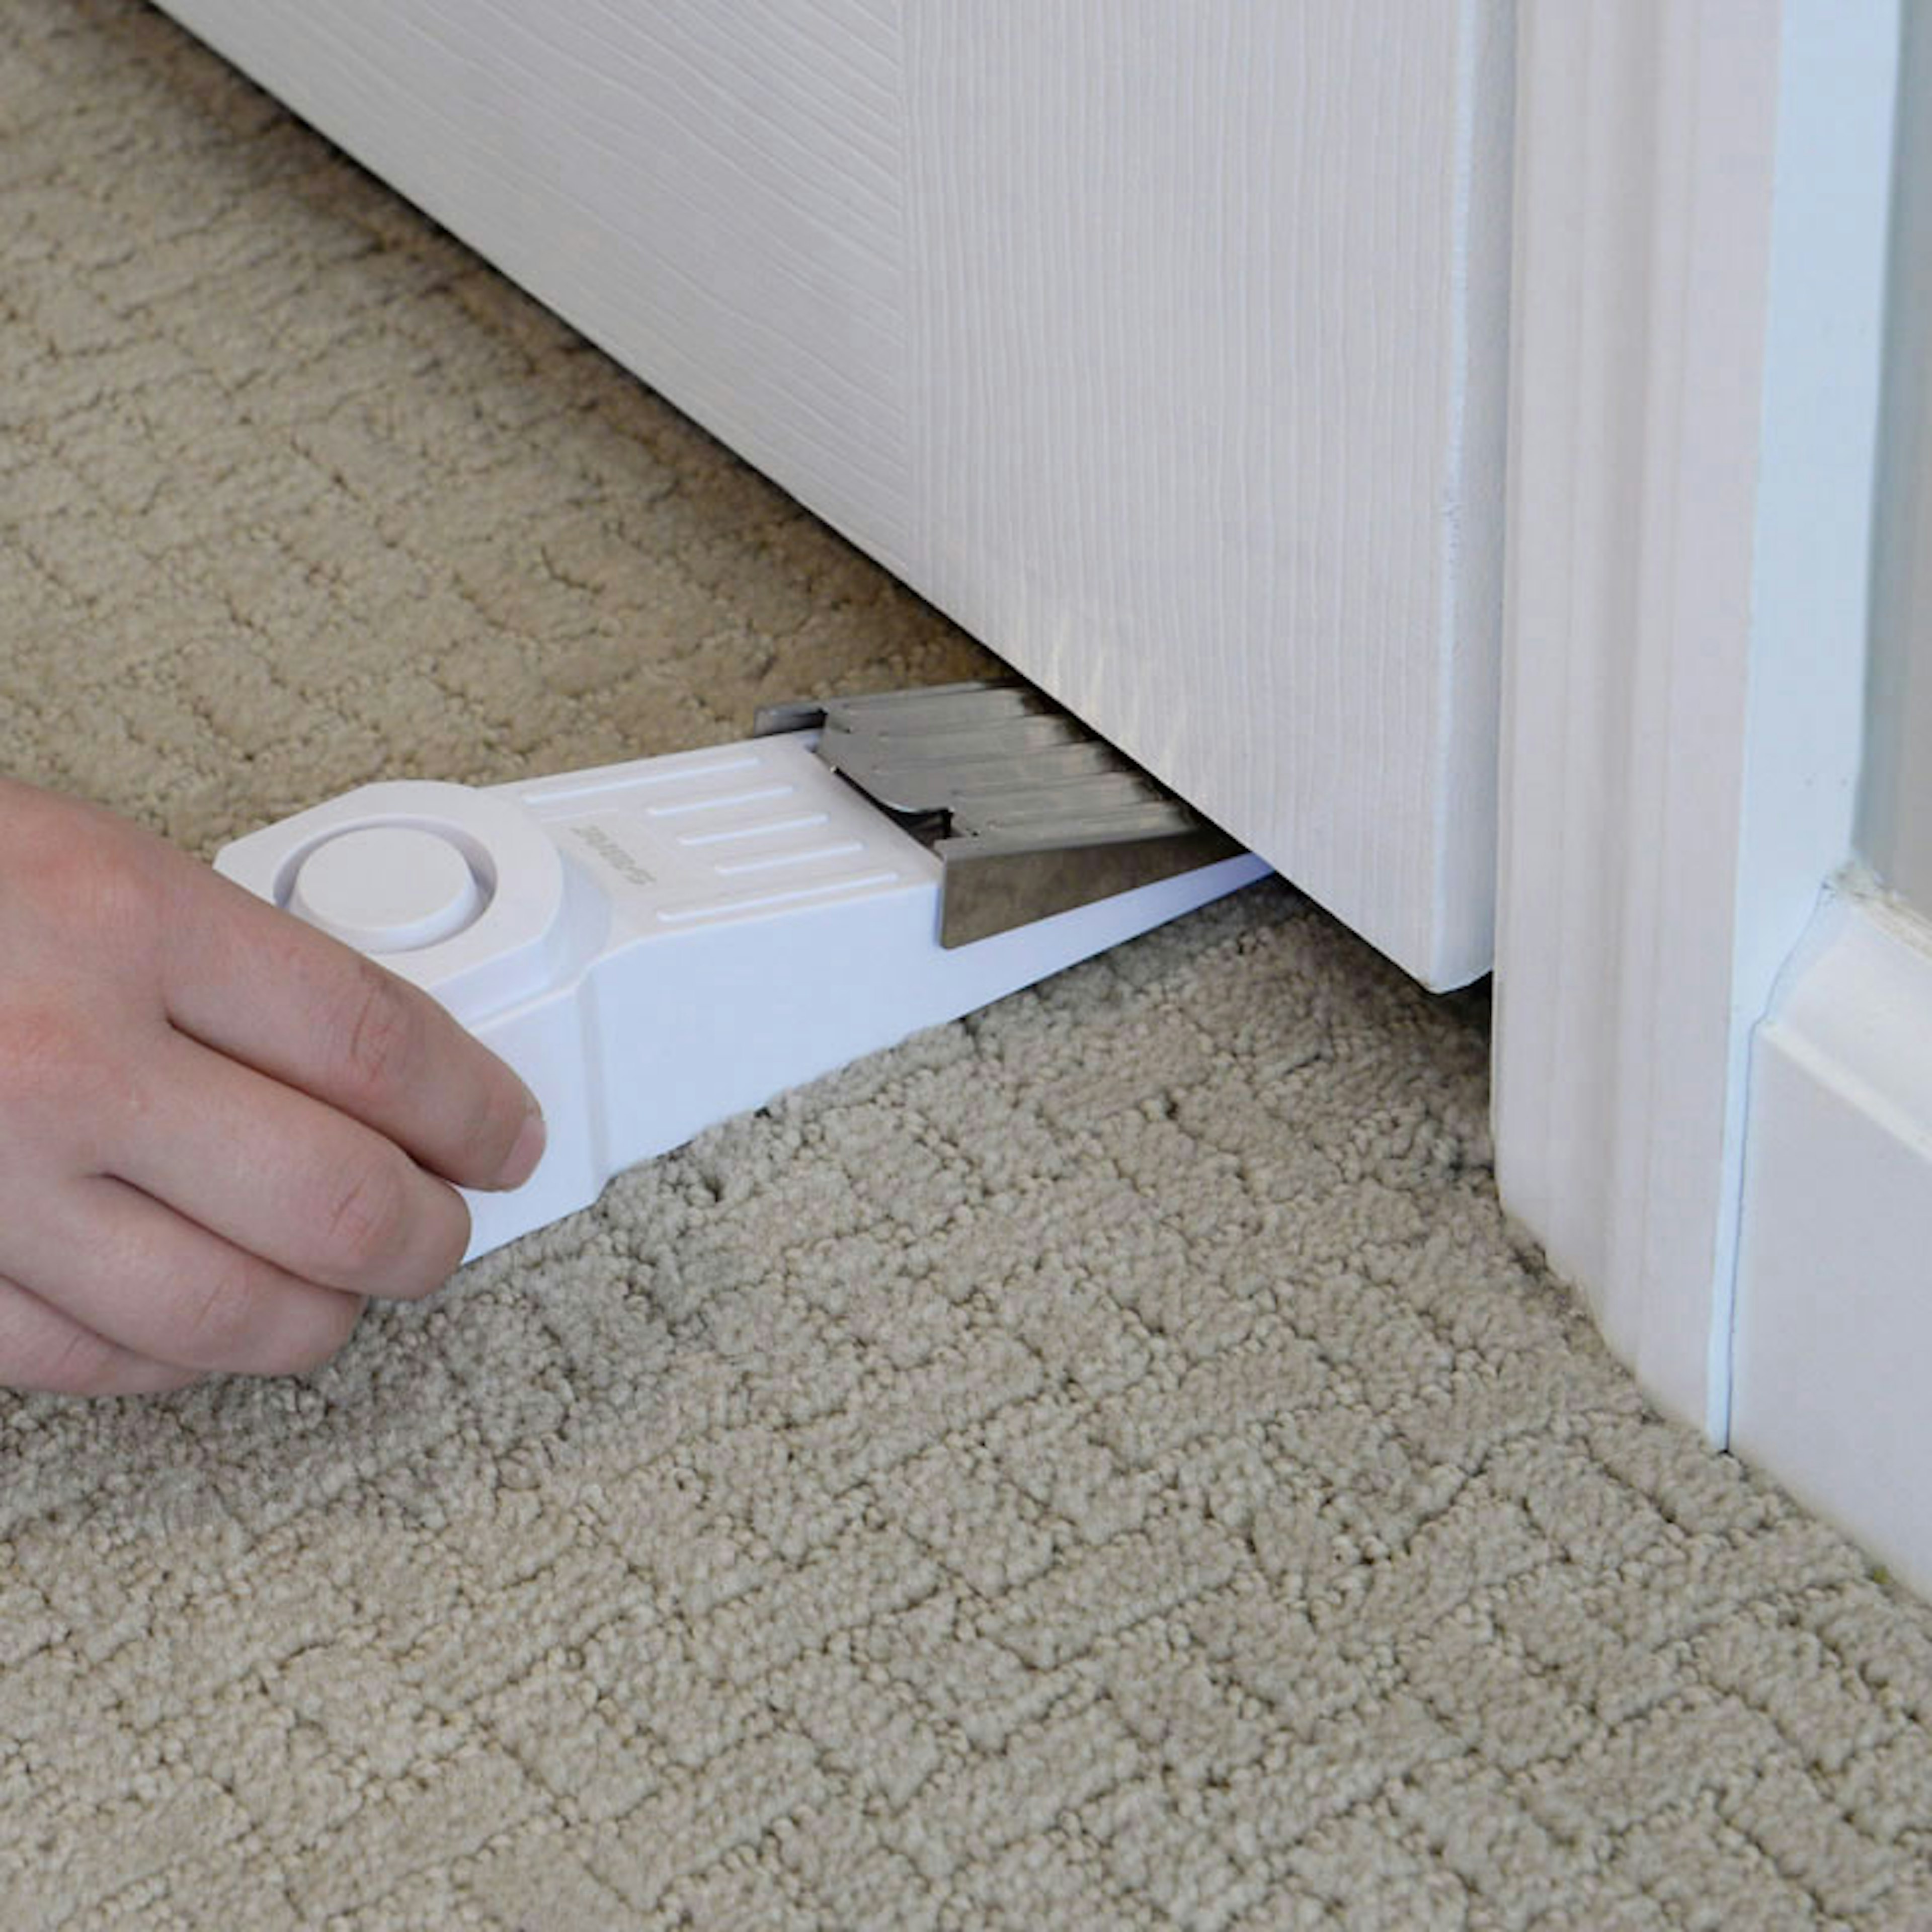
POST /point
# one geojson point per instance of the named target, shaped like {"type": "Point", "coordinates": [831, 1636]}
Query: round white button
{"type": "Point", "coordinates": [387, 888]}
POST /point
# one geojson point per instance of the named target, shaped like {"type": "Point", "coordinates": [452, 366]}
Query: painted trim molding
{"type": "Point", "coordinates": [1702, 196]}
{"type": "Point", "coordinates": [1834, 1329]}
{"type": "Point", "coordinates": [1895, 806]}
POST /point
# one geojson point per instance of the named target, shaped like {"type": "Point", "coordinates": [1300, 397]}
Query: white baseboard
{"type": "Point", "coordinates": [1832, 1361]}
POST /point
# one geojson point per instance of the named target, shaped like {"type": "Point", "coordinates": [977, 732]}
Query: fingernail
{"type": "Point", "coordinates": [527, 1152]}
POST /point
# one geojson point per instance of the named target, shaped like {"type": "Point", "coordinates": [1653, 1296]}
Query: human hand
{"type": "Point", "coordinates": [219, 1129]}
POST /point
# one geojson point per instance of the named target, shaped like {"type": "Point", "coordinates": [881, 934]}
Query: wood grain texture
{"type": "Point", "coordinates": [1164, 347]}
{"type": "Point", "coordinates": [1209, 311]}
{"type": "Point", "coordinates": [713, 195]}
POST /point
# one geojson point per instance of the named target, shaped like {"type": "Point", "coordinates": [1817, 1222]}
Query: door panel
{"type": "Point", "coordinates": [1210, 309]}
{"type": "Point", "coordinates": [1162, 346]}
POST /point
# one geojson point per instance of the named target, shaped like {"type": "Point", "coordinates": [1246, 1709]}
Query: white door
{"type": "Point", "coordinates": [1164, 347]}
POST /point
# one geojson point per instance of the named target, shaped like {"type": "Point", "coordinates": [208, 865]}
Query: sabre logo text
{"type": "Point", "coordinates": [612, 854]}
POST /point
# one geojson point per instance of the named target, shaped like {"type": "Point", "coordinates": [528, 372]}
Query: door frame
{"type": "Point", "coordinates": [1702, 207]}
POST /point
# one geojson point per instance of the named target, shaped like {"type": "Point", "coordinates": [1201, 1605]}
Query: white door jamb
{"type": "Point", "coordinates": [1702, 197]}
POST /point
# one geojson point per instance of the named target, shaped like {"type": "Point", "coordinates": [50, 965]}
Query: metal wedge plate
{"type": "Point", "coordinates": [1030, 813]}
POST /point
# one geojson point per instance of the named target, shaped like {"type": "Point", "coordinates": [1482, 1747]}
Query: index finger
{"type": "Point", "coordinates": [266, 988]}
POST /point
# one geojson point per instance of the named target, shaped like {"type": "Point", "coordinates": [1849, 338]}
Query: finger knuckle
{"type": "Point", "coordinates": [366, 1223]}
{"type": "Point", "coordinates": [83, 870]}
{"type": "Point", "coordinates": [491, 1133]}
{"type": "Point", "coordinates": [247, 1325]}
{"type": "Point", "coordinates": [225, 1315]}
{"type": "Point", "coordinates": [380, 1035]}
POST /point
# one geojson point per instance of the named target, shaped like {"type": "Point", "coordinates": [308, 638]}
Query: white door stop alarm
{"type": "Point", "coordinates": [655, 947]}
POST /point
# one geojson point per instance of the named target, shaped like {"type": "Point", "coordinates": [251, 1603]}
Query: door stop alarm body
{"type": "Point", "coordinates": [655, 947]}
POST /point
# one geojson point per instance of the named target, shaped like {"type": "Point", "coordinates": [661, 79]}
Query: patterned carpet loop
{"type": "Point", "coordinates": [1106, 1464]}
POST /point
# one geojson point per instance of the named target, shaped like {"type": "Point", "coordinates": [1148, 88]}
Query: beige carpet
{"type": "Point", "coordinates": [1104, 1464]}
